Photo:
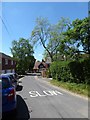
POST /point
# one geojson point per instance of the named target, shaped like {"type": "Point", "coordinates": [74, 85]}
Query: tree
{"type": "Point", "coordinates": [55, 44]}
{"type": "Point", "coordinates": [79, 34]}
{"type": "Point", "coordinates": [22, 52]}
{"type": "Point", "coordinates": [41, 33]}
{"type": "Point", "coordinates": [48, 35]}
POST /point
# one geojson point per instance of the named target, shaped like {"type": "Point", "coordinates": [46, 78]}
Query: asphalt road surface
{"type": "Point", "coordinates": [36, 98]}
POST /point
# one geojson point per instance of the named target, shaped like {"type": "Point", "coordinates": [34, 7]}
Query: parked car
{"type": "Point", "coordinates": [9, 100]}
{"type": "Point", "coordinates": [14, 78]}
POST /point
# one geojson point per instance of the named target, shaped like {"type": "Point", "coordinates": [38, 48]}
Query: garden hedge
{"type": "Point", "coordinates": [72, 71]}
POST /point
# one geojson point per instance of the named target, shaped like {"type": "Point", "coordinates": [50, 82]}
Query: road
{"type": "Point", "coordinates": [36, 98]}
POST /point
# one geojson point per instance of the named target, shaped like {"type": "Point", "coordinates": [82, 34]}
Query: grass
{"type": "Point", "coordinates": [81, 89]}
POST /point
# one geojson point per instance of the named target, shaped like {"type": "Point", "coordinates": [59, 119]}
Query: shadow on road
{"type": "Point", "coordinates": [19, 88]}
{"type": "Point", "coordinates": [22, 111]}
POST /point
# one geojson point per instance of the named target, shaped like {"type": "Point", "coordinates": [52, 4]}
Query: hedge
{"type": "Point", "coordinates": [72, 71]}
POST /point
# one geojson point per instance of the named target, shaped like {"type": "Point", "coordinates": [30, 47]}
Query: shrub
{"type": "Point", "coordinates": [86, 70]}
{"type": "Point", "coordinates": [60, 71]}
{"type": "Point", "coordinates": [75, 71]}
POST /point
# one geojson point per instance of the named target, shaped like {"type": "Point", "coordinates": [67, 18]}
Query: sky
{"type": "Point", "coordinates": [19, 19]}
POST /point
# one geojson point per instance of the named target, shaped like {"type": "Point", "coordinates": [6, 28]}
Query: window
{"type": "Point", "coordinates": [6, 61]}
{"type": "Point", "coordinates": [5, 82]}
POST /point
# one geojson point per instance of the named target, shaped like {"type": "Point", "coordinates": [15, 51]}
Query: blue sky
{"type": "Point", "coordinates": [19, 18]}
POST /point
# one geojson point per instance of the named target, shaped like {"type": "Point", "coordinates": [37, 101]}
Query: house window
{"type": "Point", "coordinates": [6, 61]}
{"type": "Point", "coordinates": [12, 62]}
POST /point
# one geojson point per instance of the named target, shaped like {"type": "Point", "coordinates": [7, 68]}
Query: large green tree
{"type": "Point", "coordinates": [41, 33]}
{"type": "Point", "coordinates": [57, 37]}
{"type": "Point", "coordinates": [49, 36]}
{"type": "Point", "coordinates": [22, 51]}
{"type": "Point", "coordinates": [79, 35]}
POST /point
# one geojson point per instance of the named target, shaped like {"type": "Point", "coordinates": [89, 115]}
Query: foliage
{"type": "Point", "coordinates": [80, 71]}
{"type": "Point", "coordinates": [86, 69]}
{"type": "Point", "coordinates": [69, 42]}
{"type": "Point", "coordinates": [56, 35]}
{"type": "Point", "coordinates": [75, 71]}
{"type": "Point", "coordinates": [63, 39]}
{"type": "Point", "coordinates": [59, 70]}
{"type": "Point", "coordinates": [49, 36]}
{"type": "Point", "coordinates": [22, 51]}
{"type": "Point", "coordinates": [41, 33]}
{"type": "Point", "coordinates": [79, 35]}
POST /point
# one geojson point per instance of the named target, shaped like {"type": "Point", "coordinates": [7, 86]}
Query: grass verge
{"type": "Point", "coordinates": [81, 89]}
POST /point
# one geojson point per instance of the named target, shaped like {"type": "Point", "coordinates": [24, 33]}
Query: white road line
{"type": "Point", "coordinates": [44, 93]}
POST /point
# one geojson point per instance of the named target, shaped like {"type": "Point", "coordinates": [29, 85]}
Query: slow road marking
{"type": "Point", "coordinates": [45, 93]}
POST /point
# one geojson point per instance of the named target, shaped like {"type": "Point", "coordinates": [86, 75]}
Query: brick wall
{"type": "Point", "coordinates": [7, 63]}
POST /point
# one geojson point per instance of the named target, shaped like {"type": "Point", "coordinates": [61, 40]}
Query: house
{"type": "Point", "coordinates": [7, 64]}
{"type": "Point", "coordinates": [40, 66]}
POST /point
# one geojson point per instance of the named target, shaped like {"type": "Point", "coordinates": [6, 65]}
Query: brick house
{"type": "Point", "coordinates": [41, 67]}
{"type": "Point", "coordinates": [7, 64]}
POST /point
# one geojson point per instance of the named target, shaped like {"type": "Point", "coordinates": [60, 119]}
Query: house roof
{"type": "Point", "coordinates": [2, 55]}
{"type": "Point", "coordinates": [37, 63]}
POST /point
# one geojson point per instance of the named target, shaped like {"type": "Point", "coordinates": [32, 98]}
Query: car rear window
{"type": "Point", "coordinates": [12, 78]}
{"type": "Point", "coordinates": [5, 83]}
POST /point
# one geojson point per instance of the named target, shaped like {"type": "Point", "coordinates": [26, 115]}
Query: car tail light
{"type": "Point", "coordinates": [11, 94]}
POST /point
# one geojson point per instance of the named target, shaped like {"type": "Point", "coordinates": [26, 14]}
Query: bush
{"type": "Point", "coordinates": [75, 71]}
{"type": "Point", "coordinates": [60, 71]}
{"type": "Point", "coordinates": [86, 70]}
